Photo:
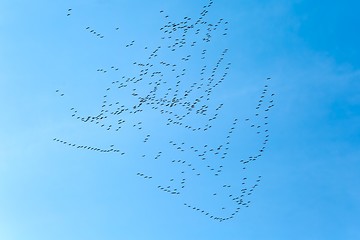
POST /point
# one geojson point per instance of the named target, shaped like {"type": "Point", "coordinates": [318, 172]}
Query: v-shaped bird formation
{"type": "Point", "coordinates": [194, 156]}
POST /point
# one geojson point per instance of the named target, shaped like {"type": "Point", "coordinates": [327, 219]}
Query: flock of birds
{"type": "Point", "coordinates": [168, 82]}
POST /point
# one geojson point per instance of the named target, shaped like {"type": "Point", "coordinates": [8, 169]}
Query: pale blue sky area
{"type": "Point", "coordinates": [76, 76]}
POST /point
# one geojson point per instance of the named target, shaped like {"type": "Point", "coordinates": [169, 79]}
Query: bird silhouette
{"type": "Point", "coordinates": [176, 82]}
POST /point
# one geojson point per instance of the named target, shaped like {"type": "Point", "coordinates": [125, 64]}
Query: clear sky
{"type": "Point", "coordinates": [133, 87]}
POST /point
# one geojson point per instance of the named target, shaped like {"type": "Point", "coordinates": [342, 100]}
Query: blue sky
{"type": "Point", "coordinates": [309, 169]}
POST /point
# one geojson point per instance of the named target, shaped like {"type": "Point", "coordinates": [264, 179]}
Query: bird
{"type": "Point", "coordinates": [175, 92]}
